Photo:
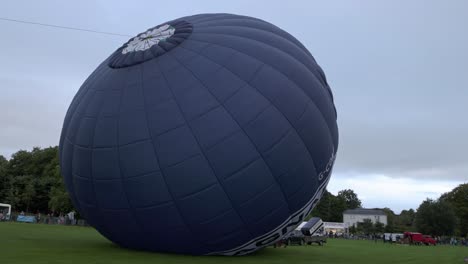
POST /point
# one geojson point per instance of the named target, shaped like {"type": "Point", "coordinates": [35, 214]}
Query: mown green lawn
{"type": "Point", "coordinates": [37, 244]}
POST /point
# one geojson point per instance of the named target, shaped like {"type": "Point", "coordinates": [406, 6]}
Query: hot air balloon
{"type": "Point", "coordinates": [208, 134]}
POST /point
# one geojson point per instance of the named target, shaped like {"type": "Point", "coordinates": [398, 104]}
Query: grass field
{"type": "Point", "coordinates": [36, 243]}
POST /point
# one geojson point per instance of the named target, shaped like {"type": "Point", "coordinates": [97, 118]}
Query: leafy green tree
{"type": "Point", "coordinates": [390, 227]}
{"type": "Point", "coordinates": [33, 180]}
{"type": "Point", "coordinates": [4, 183]}
{"type": "Point", "coordinates": [366, 226]}
{"type": "Point", "coordinates": [407, 217]}
{"type": "Point", "coordinates": [379, 227]}
{"type": "Point", "coordinates": [435, 217]}
{"type": "Point", "coordinates": [351, 199]}
{"type": "Point", "coordinates": [330, 208]}
{"type": "Point", "coordinates": [458, 198]}
{"type": "Point", "coordinates": [59, 200]}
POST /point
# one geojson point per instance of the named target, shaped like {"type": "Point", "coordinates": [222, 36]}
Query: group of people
{"type": "Point", "coordinates": [61, 219]}
{"type": "Point", "coordinates": [455, 242]}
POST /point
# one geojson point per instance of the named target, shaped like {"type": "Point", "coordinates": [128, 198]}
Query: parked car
{"type": "Point", "coordinates": [319, 239]}
{"type": "Point", "coordinates": [295, 238]}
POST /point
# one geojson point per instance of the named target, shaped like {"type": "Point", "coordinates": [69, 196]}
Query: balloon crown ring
{"type": "Point", "coordinates": [150, 44]}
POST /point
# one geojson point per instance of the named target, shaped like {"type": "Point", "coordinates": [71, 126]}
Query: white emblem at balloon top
{"type": "Point", "coordinates": [149, 38]}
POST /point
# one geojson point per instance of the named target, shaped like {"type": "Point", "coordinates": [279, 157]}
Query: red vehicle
{"type": "Point", "coordinates": [428, 240]}
{"type": "Point", "coordinates": [418, 239]}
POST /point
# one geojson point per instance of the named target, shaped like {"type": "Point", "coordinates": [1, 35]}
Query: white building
{"type": "Point", "coordinates": [353, 216]}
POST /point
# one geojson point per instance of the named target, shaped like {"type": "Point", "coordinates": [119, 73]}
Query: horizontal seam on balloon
{"type": "Point", "coordinates": [153, 206]}
{"type": "Point", "coordinates": [232, 94]}
{"type": "Point", "coordinates": [113, 210]}
{"type": "Point", "coordinates": [274, 210]}
{"type": "Point", "coordinates": [214, 218]}
{"type": "Point", "coordinates": [298, 87]}
{"type": "Point", "coordinates": [197, 192]}
{"type": "Point", "coordinates": [242, 169]}
{"type": "Point", "coordinates": [202, 114]}
{"type": "Point", "coordinates": [175, 164]}
{"type": "Point", "coordinates": [75, 175]}
{"type": "Point", "coordinates": [139, 175]}
{"type": "Point", "coordinates": [221, 140]}
{"type": "Point", "coordinates": [169, 130]}
{"type": "Point", "coordinates": [114, 147]}
{"type": "Point", "coordinates": [257, 195]}
{"type": "Point", "coordinates": [270, 101]}
{"type": "Point", "coordinates": [125, 178]}
{"type": "Point", "coordinates": [270, 149]}
{"type": "Point", "coordinates": [202, 51]}
{"type": "Point", "coordinates": [298, 190]}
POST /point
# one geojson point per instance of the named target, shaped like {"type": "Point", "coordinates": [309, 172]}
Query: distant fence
{"type": "Point", "coordinates": [41, 219]}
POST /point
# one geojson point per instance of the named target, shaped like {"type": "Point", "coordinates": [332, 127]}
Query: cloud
{"type": "Point", "coordinates": [378, 190]}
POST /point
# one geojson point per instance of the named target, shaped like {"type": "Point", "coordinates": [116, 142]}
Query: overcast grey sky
{"type": "Point", "coordinates": [398, 70]}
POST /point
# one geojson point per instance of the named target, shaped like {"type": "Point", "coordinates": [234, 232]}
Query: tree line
{"type": "Point", "coordinates": [31, 182]}
{"type": "Point", "coordinates": [447, 215]}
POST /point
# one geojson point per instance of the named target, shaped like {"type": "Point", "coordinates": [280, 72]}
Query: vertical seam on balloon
{"type": "Point", "coordinates": [214, 16]}
{"type": "Point", "coordinates": [157, 156]}
{"type": "Point", "coordinates": [287, 77]}
{"type": "Point", "coordinates": [271, 103]}
{"type": "Point", "coordinates": [301, 49]}
{"type": "Point", "coordinates": [130, 207]}
{"type": "Point", "coordinates": [258, 151]}
{"type": "Point", "coordinates": [310, 99]}
{"type": "Point", "coordinates": [203, 153]}
{"type": "Point", "coordinates": [293, 40]}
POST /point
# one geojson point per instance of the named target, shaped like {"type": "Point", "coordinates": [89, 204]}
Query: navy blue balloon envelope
{"type": "Point", "coordinates": [208, 134]}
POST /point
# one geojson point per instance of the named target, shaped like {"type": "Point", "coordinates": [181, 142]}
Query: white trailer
{"type": "Point", "coordinates": [6, 216]}
{"type": "Point", "coordinates": [393, 237]}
